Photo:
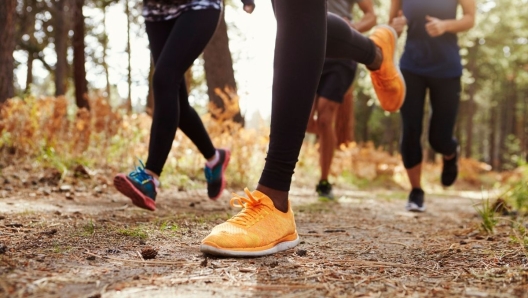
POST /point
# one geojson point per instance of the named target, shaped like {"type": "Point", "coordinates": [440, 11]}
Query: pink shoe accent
{"type": "Point", "coordinates": [224, 167]}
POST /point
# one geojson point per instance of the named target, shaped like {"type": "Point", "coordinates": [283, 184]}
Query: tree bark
{"type": "Point", "coordinates": [345, 121]}
{"type": "Point", "coordinates": [105, 50]}
{"type": "Point", "coordinates": [469, 124]}
{"type": "Point", "coordinates": [390, 139]}
{"type": "Point", "coordinates": [363, 114]}
{"type": "Point", "coordinates": [512, 108]}
{"type": "Point", "coordinates": [27, 26]}
{"type": "Point", "coordinates": [81, 85]}
{"type": "Point", "coordinates": [494, 161]}
{"type": "Point", "coordinates": [7, 47]}
{"type": "Point", "coordinates": [150, 96]}
{"type": "Point", "coordinates": [524, 125]}
{"type": "Point", "coordinates": [473, 69]}
{"type": "Point", "coordinates": [507, 119]}
{"type": "Point", "coordinates": [60, 31]}
{"type": "Point", "coordinates": [218, 66]}
{"type": "Point", "coordinates": [129, 57]}
{"type": "Point", "coordinates": [29, 74]}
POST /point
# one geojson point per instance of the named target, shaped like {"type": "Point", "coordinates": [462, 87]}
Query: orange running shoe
{"type": "Point", "coordinates": [388, 81]}
{"type": "Point", "coordinates": [258, 230]}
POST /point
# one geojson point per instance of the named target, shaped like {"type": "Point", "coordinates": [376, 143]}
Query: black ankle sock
{"type": "Point", "coordinates": [417, 190]}
{"type": "Point", "coordinates": [376, 64]}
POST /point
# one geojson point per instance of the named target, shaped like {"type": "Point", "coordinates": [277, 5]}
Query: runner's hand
{"type": "Point", "coordinates": [434, 27]}
{"type": "Point", "coordinates": [399, 23]}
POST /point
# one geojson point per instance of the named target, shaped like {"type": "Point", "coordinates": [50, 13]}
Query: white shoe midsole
{"type": "Point", "coordinates": [237, 253]}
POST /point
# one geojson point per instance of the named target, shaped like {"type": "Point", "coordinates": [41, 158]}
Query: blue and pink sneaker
{"type": "Point", "coordinates": [215, 175]}
{"type": "Point", "coordinates": [139, 186]}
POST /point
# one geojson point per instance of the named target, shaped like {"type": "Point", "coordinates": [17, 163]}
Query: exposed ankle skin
{"type": "Point", "coordinates": [278, 197]}
{"type": "Point", "coordinates": [376, 64]}
{"type": "Point", "coordinates": [152, 174]}
{"type": "Point", "coordinates": [414, 175]}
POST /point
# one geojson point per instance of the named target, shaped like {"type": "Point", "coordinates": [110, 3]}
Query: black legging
{"type": "Point", "coordinates": [175, 44]}
{"type": "Point", "coordinates": [302, 27]}
{"type": "Point", "coordinates": [444, 95]}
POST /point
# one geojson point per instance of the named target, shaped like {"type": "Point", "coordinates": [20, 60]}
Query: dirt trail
{"type": "Point", "coordinates": [87, 244]}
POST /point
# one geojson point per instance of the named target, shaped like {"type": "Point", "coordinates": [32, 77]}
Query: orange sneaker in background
{"type": "Point", "coordinates": [258, 230]}
{"type": "Point", "coordinates": [387, 81]}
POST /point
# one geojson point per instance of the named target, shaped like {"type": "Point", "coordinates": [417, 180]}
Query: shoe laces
{"type": "Point", "coordinates": [140, 175]}
{"type": "Point", "coordinates": [251, 208]}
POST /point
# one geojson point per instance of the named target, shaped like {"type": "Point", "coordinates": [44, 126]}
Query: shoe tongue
{"type": "Point", "coordinates": [262, 198]}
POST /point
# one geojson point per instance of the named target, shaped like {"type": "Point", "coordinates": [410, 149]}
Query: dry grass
{"type": "Point", "coordinates": [54, 133]}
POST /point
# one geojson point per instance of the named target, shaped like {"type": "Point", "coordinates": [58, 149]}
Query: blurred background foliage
{"type": "Point", "coordinates": [79, 98]}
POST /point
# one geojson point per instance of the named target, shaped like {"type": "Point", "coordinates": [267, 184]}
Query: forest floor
{"type": "Point", "coordinates": [77, 240]}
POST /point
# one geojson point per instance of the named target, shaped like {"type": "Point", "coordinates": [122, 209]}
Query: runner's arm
{"type": "Point", "coordinates": [396, 18]}
{"type": "Point", "coordinates": [436, 27]}
{"type": "Point", "coordinates": [395, 8]}
{"type": "Point", "coordinates": [369, 18]}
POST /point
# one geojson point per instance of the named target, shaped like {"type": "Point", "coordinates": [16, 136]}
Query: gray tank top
{"type": "Point", "coordinates": [342, 8]}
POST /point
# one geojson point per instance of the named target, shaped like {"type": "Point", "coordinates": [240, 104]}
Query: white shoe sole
{"type": "Point", "coordinates": [237, 253]}
{"type": "Point", "coordinates": [412, 207]}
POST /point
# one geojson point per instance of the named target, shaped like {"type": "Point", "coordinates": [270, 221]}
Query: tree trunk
{"type": "Point", "coordinates": [105, 50]}
{"type": "Point", "coordinates": [473, 69]}
{"type": "Point", "coordinates": [150, 96]}
{"type": "Point", "coordinates": [218, 66]}
{"type": "Point", "coordinates": [469, 123]}
{"type": "Point", "coordinates": [524, 125]}
{"type": "Point", "coordinates": [511, 108]}
{"type": "Point", "coordinates": [514, 124]}
{"type": "Point", "coordinates": [481, 135]}
{"type": "Point", "coordinates": [494, 161]}
{"type": "Point", "coordinates": [392, 133]}
{"type": "Point", "coordinates": [7, 47]}
{"type": "Point", "coordinates": [129, 54]}
{"type": "Point", "coordinates": [362, 115]}
{"type": "Point", "coordinates": [29, 28]}
{"type": "Point", "coordinates": [81, 85]}
{"type": "Point", "coordinates": [506, 122]}
{"type": "Point", "coordinates": [60, 31]}
{"type": "Point", "coordinates": [344, 126]}
{"type": "Point", "coordinates": [29, 74]}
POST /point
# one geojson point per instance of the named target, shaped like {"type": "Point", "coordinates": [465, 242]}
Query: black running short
{"type": "Point", "coordinates": [336, 78]}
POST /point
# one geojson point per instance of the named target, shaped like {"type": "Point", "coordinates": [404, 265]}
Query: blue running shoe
{"type": "Point", "coordinates": [215, 175]}
{"type": "Point", "coordinates": [139, 186]}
